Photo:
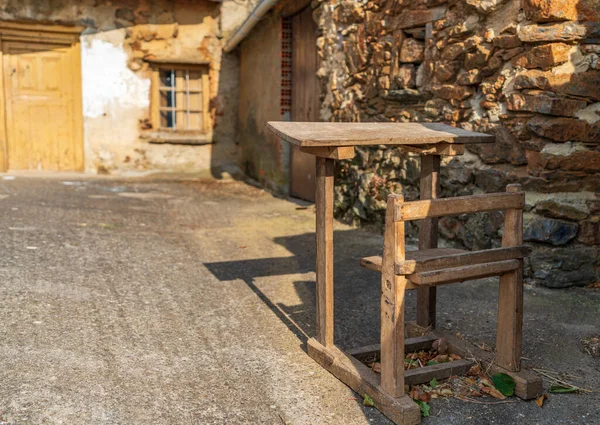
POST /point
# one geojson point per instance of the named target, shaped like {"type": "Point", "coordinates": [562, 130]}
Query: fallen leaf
{"type": "Point", "coordinates": [376, 367]}
{"type": "Point", "coordinates": [493, 392]}
{"type": "Point", "coordinates": [424, 408]}
{"type": "Point", "coordinates": [486, 382]}
{"type": "Point", "coordinates": [433, 383]}
{"type": "Point", "coordinates": [460, 336]}
{"type": "Point", "coordinates": [426, 397]}
{"type": "Point", "coordinates": [455, 357]}
{"type": "Point", "coordinates": [483, 346]}
{"type": "Point", "coordinates": [415, 393]}
{"type": "Point", "coordinates": [562, 389]}
{"type": "Point", "coordinates": [442, 358]}
{"type": "Point", "coordinates": [475, 393]}
{"type": "Point", "coordinates": [431, 362]}
{"type": "Point", "coordinates": [446, 392]}
{"type": "Point", "coordinates": [368, 401]}
{"type": "Point", "coordinates": [474, 371]}
{"type": "Point", "coordinates": [504, 383]}
{"type": "Point", "coordinates": [594, 285]}
{"type": "Point", "coordinates": [540, 400]}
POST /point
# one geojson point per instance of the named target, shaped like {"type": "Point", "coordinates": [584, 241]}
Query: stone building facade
{"type": "Point", "coordinates": [119, 46]}
{"type": "Point", "coordinates": [524, 70]}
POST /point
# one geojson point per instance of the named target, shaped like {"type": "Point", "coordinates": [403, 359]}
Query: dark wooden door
{"type": "Point", "coordinates": [305, 99]}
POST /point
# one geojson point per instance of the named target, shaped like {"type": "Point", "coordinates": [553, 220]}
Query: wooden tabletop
{"type": "Point", "coordinates": [311, 134]}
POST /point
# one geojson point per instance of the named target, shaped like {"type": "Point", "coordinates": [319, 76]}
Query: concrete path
{"type": "Point", "coordinates": [165, 302]}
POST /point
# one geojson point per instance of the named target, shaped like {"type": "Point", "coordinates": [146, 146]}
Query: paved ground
{"type": "Point", "coordinates": [164, 302]}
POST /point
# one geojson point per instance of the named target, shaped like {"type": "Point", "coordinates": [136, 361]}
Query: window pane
{"type": "Point", "coordinates": [167, 98]}
{"type": "Point", "coordinates": [195, 80]}
{"type": "Point", "coordinates": [181, 120]}
{"type": "Point", "coordinates": [195, 101]}
{"type": "Point", "coordinates": [196, 121]}
{"type": "Point", "coordinates": [166, 78]}
{"type": "Point", "coordinates": [180, 99]}
{"type": "Point", "coordinates": [166, 119]}
{"type": "Point", "coordinates": [180, 80]}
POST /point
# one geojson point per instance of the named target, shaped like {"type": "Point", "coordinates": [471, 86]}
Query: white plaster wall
{"type": "Point", "coordinates": [114, 100]}
{"type": "Point", "coordinates": [107, 81]}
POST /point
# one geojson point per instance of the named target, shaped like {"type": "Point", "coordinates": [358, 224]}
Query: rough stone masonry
{"type": "Point", "coordinates": [524, 70]}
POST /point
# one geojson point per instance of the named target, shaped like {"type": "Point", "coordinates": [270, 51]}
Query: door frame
{"type": "Point", "coordinates": [44, 34]}
{"type": "Point", "coordinates": [313, 104]}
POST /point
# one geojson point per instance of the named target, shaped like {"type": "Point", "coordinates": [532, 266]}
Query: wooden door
{"type": "Point", "coordinates": [305, 98]}
{"type": "Point", "coordinates": [42, 112]}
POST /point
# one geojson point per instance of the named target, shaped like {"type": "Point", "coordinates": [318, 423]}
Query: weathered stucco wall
{"type": "Point", "coordinates": [526, 71]}
{"type": "Point", "coordinates": [119, 40]}
{"type": "Point", "coordinates": [262, 155]}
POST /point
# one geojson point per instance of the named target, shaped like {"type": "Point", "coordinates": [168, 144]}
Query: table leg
{"type": "Point", "coordinates": [430, 189]}
{"type": "Point", "coordinates": [324, 234]}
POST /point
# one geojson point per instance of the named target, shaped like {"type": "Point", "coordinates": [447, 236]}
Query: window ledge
{"type": "Point", "coordinates": [177, 137]}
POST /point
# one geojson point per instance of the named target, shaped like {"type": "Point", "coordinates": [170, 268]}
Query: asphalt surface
{"type": "Point", "coordinates": [154, 301]}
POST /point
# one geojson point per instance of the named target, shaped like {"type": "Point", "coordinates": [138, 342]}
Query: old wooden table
{"type": "Point", "coordinates": [331, 141]}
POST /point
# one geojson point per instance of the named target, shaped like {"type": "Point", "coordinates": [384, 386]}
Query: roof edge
{"type": "Point", "coordinates": [260, 10]}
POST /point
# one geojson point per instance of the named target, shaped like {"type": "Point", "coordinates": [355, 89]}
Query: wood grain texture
{"type": "Point", "coordinates": [460, 274]}
{"type": "Point", "coordinates": [344, 152]}
{"type": "Point", "coordinates": [305, 99]}
{"type": "Point", "coordinates": [393, 290]}
{"type": "Point", "coordinates": [423, 375]}
{"type": "Point", "coordinates": [510, 295]}
{"type": "Point", "coordinates": [429, 189]}
{"type": "Point", "coordinates": [324, 250]}
{"type": "Point", "coordinates": [445, 149]}
{"type": "Point", "coordinates": [529, 385]}
{"type": "Point", "coordinates": [357, 134]}
{"type": "Point", "coordinates": [400, 410]}
{"type": "Point", "coordinates": [410, 346]}
{"type": "Point", "coordinates": [418, 210]}
{"type": "Point", "coordinates": [42, 99]}
{"type": "Point", "coordinates": [3, 140]}
{"type": "Point", "coordinates": [439, 258]}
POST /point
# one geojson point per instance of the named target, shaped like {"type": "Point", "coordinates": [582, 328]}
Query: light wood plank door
{"type": "Point", "coordinates": [41, 108]}
{"type": "Point", "coordinates": [305, 99]}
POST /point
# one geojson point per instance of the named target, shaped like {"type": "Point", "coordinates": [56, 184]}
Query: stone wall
{"type": "Point", "coordinates": [119, 41]}
{"type": "Point", "coordinates": [524, 70]}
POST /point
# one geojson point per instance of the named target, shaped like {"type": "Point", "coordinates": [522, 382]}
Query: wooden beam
{"type": "Point", "coordinates": [393, 291]}
{"type": "Point", "coordinates": [445, 149]}
{"type": "Point", "coordinates": [462, 259]}
{"type": "Point", "coordinates": [3, 129]}
{"type": "Point", "coordinates": [324, 252]}
{"type": "Point", "coordinates": [401, 410]}
{"type": "Point", "coordinates": [460, 274]}
{"type": "Point", "coordinates": [373, 133]}
{"type": "Point", "coordinates": [428, 230]}
{"type": "Point", "coordinates": [425, 374]}
{"type": "Point", "coordinates": [411, 345]}
{"type": "Point", "coordinates": [529, 385]}
{"type": "Point", "coordinates": [441, 258]}
{"type": "Point", "coordinates": [418, 210]}
{"type": "Point", "coordinates": [510, 296]}
{"type": "Point", "coordinates": [344, 152]}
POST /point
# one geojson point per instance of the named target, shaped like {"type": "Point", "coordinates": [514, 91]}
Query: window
{"type": "Point", "coordinates": [180, 98]}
